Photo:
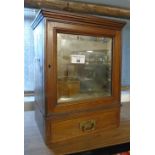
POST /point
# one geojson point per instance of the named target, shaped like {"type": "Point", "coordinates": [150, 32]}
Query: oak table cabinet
{"type": "Point", "coordinates": [77, 74]}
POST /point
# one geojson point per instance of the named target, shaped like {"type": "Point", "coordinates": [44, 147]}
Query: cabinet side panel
{"type": "Point", "coordinates": [40, 121]}
{"type": "Point", "coordinates": [39, 66]}
{"type": "Point", "coordinates": [117, 66]}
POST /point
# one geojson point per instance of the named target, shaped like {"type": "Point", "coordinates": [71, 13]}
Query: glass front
{"type": "Point", "coordinates": [83, 67]}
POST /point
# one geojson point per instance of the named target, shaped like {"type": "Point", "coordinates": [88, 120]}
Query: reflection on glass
{"type": "Point", "coordinates": [84, 67]}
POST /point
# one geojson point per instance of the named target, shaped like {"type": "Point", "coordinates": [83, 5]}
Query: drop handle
{"type": "Point", "coordinates": [88, 125]}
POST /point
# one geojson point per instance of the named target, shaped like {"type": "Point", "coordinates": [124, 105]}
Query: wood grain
{"type": "Point", "coordinates": [100, 140]}
{"type": "Point", "coordinates": [34, 144]}
{"type": "Point", "coordinates": [79, 7]}
{"type": "Point", "coordinates": [39, 66]}
{"type": "Point", "coordinates": [89, 142]}
{"type": "Point", "coordinates": [56, 121]}
{"type": "Point", "coordinates": [84, 25]}
{"type": "Point", "coordinates": [70, 128]}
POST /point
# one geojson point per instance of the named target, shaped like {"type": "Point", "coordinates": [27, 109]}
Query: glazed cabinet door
{"type": "Point", "coordinates": [83, 67]}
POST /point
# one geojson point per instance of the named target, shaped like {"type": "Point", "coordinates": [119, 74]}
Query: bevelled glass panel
{"type": "Point", "coordinates": [83, 67]}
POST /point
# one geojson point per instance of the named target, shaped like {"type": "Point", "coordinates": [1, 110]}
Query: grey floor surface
{"type": "Point", "coordinates": [33, 142]}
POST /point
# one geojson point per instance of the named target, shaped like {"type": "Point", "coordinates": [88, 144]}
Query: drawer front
{"type": "Point", "coordinates": [86, 124]}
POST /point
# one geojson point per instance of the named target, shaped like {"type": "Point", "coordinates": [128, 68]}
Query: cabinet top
{"type": "Point", "coordinates": [74, 18]}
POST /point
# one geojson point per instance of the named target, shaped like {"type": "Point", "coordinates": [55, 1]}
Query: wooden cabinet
{"type": "Point", "coordinates": [77, 74]}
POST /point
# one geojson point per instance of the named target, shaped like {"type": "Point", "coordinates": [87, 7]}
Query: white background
{"type": "Point", "coordinates": [142, 77]}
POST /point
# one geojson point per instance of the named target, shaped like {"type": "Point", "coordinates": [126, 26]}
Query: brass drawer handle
{"type": "Point", "coordinates": [88, 125]}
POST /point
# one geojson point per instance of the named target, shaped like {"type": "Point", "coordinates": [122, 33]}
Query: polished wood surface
{"type": "Point", "coordinates": [34, 144]}
{"type": "Point", "coordinates": [53, 107]}
{"type": "Point", "coordinates": [55, 120]}
{"type": "Point", "coordinates": [117, 136]}
{"type": "Point", "coordinates": [78, 19]}
{"type": "Point", "coordinates": [39, 66]}
{"type": "Point", "coordinates": [70, 128]}
{"type": "Point", "coordinates": [79, 7]}
{"type": "Point", "coordinates": [56, 22]}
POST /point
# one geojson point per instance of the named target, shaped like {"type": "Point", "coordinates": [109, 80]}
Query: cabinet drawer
{"type": "Point", "coordinates": [89, 123]}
